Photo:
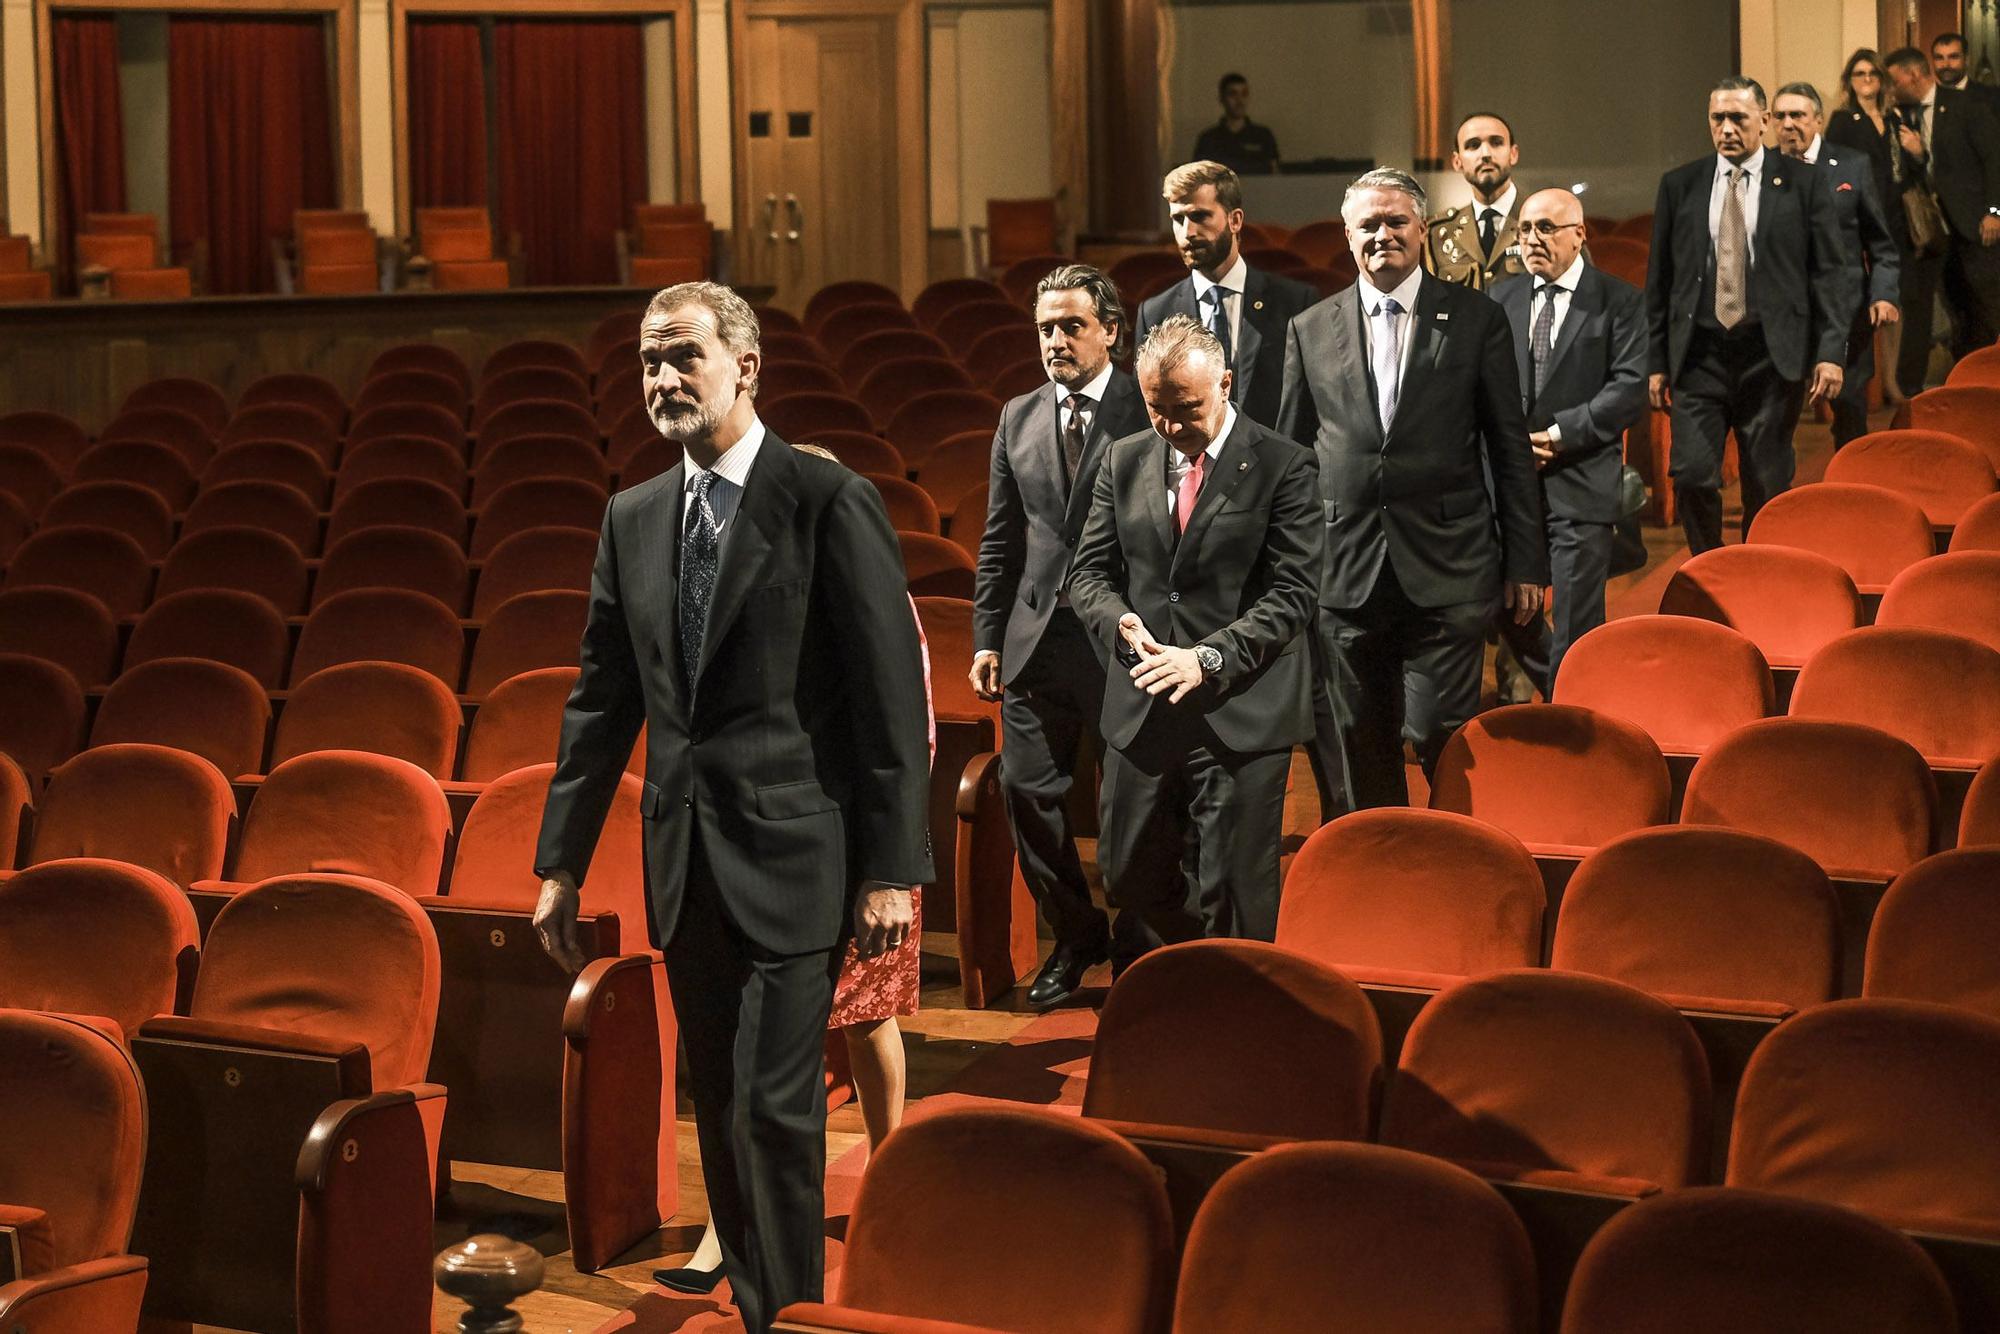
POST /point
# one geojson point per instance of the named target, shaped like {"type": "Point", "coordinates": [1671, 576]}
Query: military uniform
{"type": "Point", "coordinates": [1452, 251]}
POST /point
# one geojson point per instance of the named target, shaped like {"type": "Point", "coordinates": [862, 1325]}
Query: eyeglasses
{"type": "Point", "coordinates": [1543, 227]}
{"type": "Point", "coordinates": [1866, 74]}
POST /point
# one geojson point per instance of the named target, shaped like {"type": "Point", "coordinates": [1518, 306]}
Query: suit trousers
{"type": "Point", "coordinates": [754, 1025]}
{"type": "Point", "coordinates": [1971, 289]}
{"type": "Point", "coordinates": [1580, 565]}
{"type": "Point", "coordinates": [1728, 383]}
{"type": "Point", "coordinates": [1049, 707]}
{"type": "Point", "coordinates": [1392, 668]}
{"type": "Point", "coordinates": [1190, 832]}
{"type": "Point", "coordinates": [1850, 406]}
{"type": "Point", "coordinates": [1919, 286]}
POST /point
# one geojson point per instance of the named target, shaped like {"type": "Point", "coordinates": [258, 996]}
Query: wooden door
{"type": "Point", "coordinates": [818, 121]}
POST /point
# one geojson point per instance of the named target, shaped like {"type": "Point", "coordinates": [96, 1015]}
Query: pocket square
{"type": "Point", "coordinates": [1844, 185]}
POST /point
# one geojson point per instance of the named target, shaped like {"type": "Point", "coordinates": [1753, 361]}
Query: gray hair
{"type": "Point", "coordinates": [1103, 293]}
{"type": "Point", "coordinates": [1808, 92]}
{"type": "Point", "coordinates": [1388, 178]}
{"type": "Point", "coordinates": [1176, 339]}
{"type": "Point", "coordinates": [1741, 83]}
{"type": "Point", "coordinates": [735, 322]}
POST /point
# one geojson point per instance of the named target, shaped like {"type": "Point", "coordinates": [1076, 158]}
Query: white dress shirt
{"type": "Point", "coordinates": [1500, 208]}
{"type": "Point", "coordinates": [1929, 105]}
{"type": "Point", "coordinates": [732, 473]}
{"type": "Point", "coordinates": [1231, 284]}
{"type": "Point", "coordinates": [1094, 392]}
{"type": "Point", "coordinates": [1754, 164]}
{"type": "Point", "coordinates": [1179, 463]}
{"type": "Point", "coordinates": [1371, 307]}
{"type": "Point", "coordinates": [1564, 286]}
{"type": "Point", "coordinates": [1812, 149]}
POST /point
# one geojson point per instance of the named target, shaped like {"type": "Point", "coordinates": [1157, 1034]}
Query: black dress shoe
{"type": "Point", "coordinates": [695, 1282]}
{"type": "Point", "coordinates": [1063, 973]}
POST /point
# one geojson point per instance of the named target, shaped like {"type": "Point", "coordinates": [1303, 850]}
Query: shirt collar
{"type": "Point", "coordinates": [1405, 294]}
{"type": "Point", "coordinates": [1930, 98]}
{"type": "Point", "coordinates": [1813, 149]}
{"type": "Point", "coordinates": [1754, 164]}
{"type": "Point", "coordinates": [1567, 279]}
{"type": "Point", "coordinates": [734, 465]}
{"type": "Point", "coordinates": [1094, 391]}
{"type": "Point", "coordinates": [1504, 205]}
{"type": "Point", "coordinates": [1179, 462]}
{"type": "Point", "coordinates": [1232, 281]}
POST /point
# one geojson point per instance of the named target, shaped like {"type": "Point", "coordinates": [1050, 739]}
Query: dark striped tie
{"type": "Point", "coordinates": [701, 541]}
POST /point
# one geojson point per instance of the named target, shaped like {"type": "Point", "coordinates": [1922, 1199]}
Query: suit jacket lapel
{"type": "Point", "coordinates": [1249, 339]}
{"type": "Point", "coordinates": [1427, 334]}
{"type": "Point", "coordinates": [1153, 482]}
{"type": "Point", "coordinates": [1521, 315]}
{"type": "Point", "coordinates": [1583, 303]}
{"type": "Point", "coordinates": [1777, 182]}
{"type": "Point", "coordinates": [766, 503]}
{"type": "Point", "coordinates": [1231, 465]}
{"type": "Point", "coordinates": [1043, 433]}
{"type": "Point", "coordinates": [1350, 355]}
{"type": "Point", "coordinates": [662, 523]}
{"type": "Point", "coordinates": [1078, 506]}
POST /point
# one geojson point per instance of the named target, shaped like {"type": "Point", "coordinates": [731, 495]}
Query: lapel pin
{"type": "Point", "coordinates": [1777, 180]}
{"type": "Point", "coordinates": [1243, 467]}
{"type": "Point", "coordinates": [1444, 315]}
{"type": "Point", "coordinates": [1256, 305]}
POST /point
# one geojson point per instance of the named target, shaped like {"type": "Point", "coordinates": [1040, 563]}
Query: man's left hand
{"type": "Point", "coordinates": [1544, 446]}
{"type": "Point", "coordinates": [1827, 378]}
{"type": "Point", "coordinates": [882, 918]}
{"type": "Point", "coordinates": [1525, 601]}
{"type": "Point", "coordinates": [1989, 230]}
{"type": "Point", "coordinates": [1885, 312]}
{"type": "Point", "coordinates": [1175, 669]}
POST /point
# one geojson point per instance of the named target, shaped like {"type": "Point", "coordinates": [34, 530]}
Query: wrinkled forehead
{"type": "Point", "coordinates": [1380, 202]}
{"type": "Point", "coordinates": [1555, 205]}
{"type": "Point", "coordinates": [686, 324]}
{"type": "Point", "coordinates": [1792, 104]}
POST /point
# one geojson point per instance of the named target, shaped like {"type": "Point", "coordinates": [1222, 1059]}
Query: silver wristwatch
{"type": "Point", "coordinates": [1210, 658]}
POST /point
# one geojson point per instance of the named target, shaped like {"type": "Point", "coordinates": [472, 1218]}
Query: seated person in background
{"type": "Point", "coordinates": [1236, 141]}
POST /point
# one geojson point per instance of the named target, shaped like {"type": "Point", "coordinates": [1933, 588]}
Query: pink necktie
{"type": "Point", "coordinates": [1190, 488]}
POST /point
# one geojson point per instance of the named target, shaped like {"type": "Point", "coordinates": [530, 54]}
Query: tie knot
{"type": "Point", "coordinates": [1213, 296]}
{"type": "Point", "coordinates": [1391, 307]}
{"type": "Point", "coordinates": [1738, 175]}
{"type": "Point", "coordinates": [702, 482]}
{"type": "Point", "coordinates": [1075, 404]}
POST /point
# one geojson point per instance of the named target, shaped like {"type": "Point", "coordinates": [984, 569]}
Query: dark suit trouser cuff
{"type": "Point", "coordinates": [1044, 717]}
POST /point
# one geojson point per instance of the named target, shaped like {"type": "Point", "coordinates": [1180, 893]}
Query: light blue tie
{"type": "Point", "coordinates": [1218, 322]}
{"type": "Point", "coordinates": [1388, 360]}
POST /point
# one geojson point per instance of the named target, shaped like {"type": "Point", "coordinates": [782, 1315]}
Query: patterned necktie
{"type": "Point", "coordinates": [1489, 224]}
{"type": "Point", "coordinates": [1388, 360]}
{"type": "Point", "coordinates": [1072, 440]}
{"type": "Point", "coordinates": [1542, 336]}
{"type": "Point", "coordinates": [1732, 255]}
{"type": "Point", "coordinates": [1189, 492]}
{"type": "Point", "coordinates": [701, 541]}
{"type": "Point", "coordinates": [1217, 319]}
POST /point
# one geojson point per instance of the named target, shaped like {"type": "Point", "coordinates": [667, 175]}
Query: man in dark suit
{"type": "Point", "coordinates": [1747, 291]}
{"type": "Point", "coordinates": [1196, 572]}
{"type": "Point", "coordinates": [1478, 244]}
{"type": "Point", "coordinates": [748, 610]}
{"type": "Point", "coordinates": [1030, 651]}
{"type": "Point", "coordinates": [1246, 309]}
{"type": "Point", "coordinates": [1951, 138]}
{"type": "Point", "coordinates": [1580, 348]}
{"type": "Point", "coordinates": [1800, 118]}
{"type": "Point", "coordinates": [1405, 386]}
{"type": "Point", "coordinates": [1948, 62]}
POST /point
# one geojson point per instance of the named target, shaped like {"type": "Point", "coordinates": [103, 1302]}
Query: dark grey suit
{"type": "Point", "coordinates": [1849, 178]}
{"type": "Point", "coordinates": [1269, 302]}
{"type": "Point", "coordinates": [1054, 675]}
{"type": "Point", "coordinates": [1964, 170]}
{"type": "Point", "coordinates": [1417, 544]}
{"type": "Point", "coordinates": [1212, 767]}
{"type": "Point", "coordinates": [1593, 390]}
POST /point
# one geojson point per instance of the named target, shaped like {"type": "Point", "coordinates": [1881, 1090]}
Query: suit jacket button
{"type": "Point", "coordinates": [1173, 597]}
{"type": "Point", "coordinates": [688, 800]}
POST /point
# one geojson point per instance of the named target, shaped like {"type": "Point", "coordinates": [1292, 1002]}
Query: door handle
{"type": "Point", "coordinates": [798, 213]}
{"type": "Point", "coordinates": [770, 217]}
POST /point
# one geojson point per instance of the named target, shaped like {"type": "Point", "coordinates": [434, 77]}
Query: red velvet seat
{"type": "Point", "coordinates": [41, 716]}
{"type": "Point", "coordinates": [616, 392]}
{"type": "Point", "coordinates": [70, 1166]}
{"type": "Point", "coordinates": [1936, 935]}
{"type": "Point", "coordinates": [165, 810]}
{"type": "Point", "coordinates": [431, 357]}
{"type": "Point", "coordinates": [198, 398]}
{"type": "Point", "coordinates": [284, 421]}
{"type": "Point", "coordinates": [401, 456]}
{"type": "Point", "coordinates": [1138, 271]}
{"type": "Point", "coordinates": [518, 724]}
{"type": "Point", "coordinates": [54, 435]}
{"type": "Point", "coordinates": [533, 416]}
{"type": "Point", "coordinates": [219, 624]}
{"type": "Point", "coordinates": [409, 388]}
{"type": "Point", "coordinates": [527, 631]}
{"type": "Point", "coordinates": [1705, 919]}
{"type": "Point", "coordinates": [1009, 343]}
{"type": "Point", "coordinates": [394, 420]}
{"type": "Point", "coordinates": [1958, 593]}
{"type": "Point", "coordinates": [860, 450]}
{"type": "Point", "coordinates": [559, 502]}
{"type": "Point", "coordinates": [614, 330]}
{"type": "Point", "coordinates": [1560, 778]}
{"type": "Point", "coordinates": [124, 507]}
{"type": "Point", "coordinates": [382, 708]}
{"type": "Point", "coordinates": [918, 1244]}
{"type": "Point", "coordinates": [187, 435]}
{"type": "Point", "coordinates": [839, 329]}
{"type": "Point", "coordinates": [17, 803]}
{"type": "Point", "coordinates": [959, 464]}
{"type": "Point", "coordinates": [1872, 532]}
{"type": "Point", "coordinates": [94, 937]}
{"type": "Point", "coordinates": [15, 525]}
{"type": "Point", "coordinates": [281, 509]}
{"type": "Point", "coordinates": [395, 556]}
{"type": "Point", "coordinates": [808, 416]}
{"type": "Point", "coordinates": [911, 509]}
{"type": "Point", "coordinates": [633, 431]}
{"type": "Point", "coordinates": [776, 379]}
{"type": "Point", "coordinates": [1354, 1237]}
{"type": "Point", "coordinates": [1020, 278]}
{"type": "Point", "coordinates": [270, 461]}
{"type": "Point", "coordinates": [1412, 898]}
{"type": "Point", "coordinates": [788, 344]}
{"type": "Point", "coordinates": [839, 295]}
{"type": "Point", "coordinates": [102, 562]}
{"type": "Point", "coordinates": [926, 420]}
{"type": "Point", "coordinates": [966, 524]}
{"type": "Point", "coordinates": [961, 328]}
{"type": "Point", "coordinates": [28, 476]}
{"type": "Point", "coordinates": [1558, 1078]}
{"type": "Point", "coordinates": [210, 709]}
{"type": "Point", "coordinates": [1979, 822]}
{"type": "Point", "coordinates": [948, 293]}
{"type": "Point", "coordinates": [1942, 473]}
{"type": "Point", "coordinates": [533, 352]}
{"type": "Point", "coordinates": [934, 567]}
{"type": "Point", "coordinates": [867, 352]}
{"type": "Point", "coordinates": [398, 502]}
{"type": "Point", "coordinates": [537, 457]}
{"type": "Point", "coordinates": [648, 461]}
{"type": "Point", "coordinates": [1787, 602]}
{"type": "Point", "coordinates": [1747, 1260]}
{"type": "Point", "coordinates": [531, 561]}
{"type": "Point", "coordinates": [384, 625]}
{"type": "Point", "coordinates": [61, 625]}
{"type": "Point", "coordinates": [1884, 1106]}
{"type": "Point", "coordinates": [1239, 1038]}
{"type": "Point", "coordinates": [1940, 692]}
{"type": "Point", "coordinates": [313, 391]}
{"type": "Point", "coordinates": [344, 813]}
{"type": "Point", "coordinates": [1014, 379]}
{"type": "Point", "coordinates": [248, 560]}
{"type": "Point", "coordinates": [1638, 668]}
{"type": "Point", "coordinates": [886, 388]}
{"type": "Point", "coordinates": [159, 468]}
{"type": "Point", "coordinates": [1978, 528]}
{"type": "Point", "coordinates": [1970, 412]}
{"type": "Point", "coordinates": [529, 384]}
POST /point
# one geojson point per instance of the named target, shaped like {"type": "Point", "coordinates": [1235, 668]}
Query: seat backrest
{"type": "Point", "coordinates": [1979, 822]}
{"type": "Point", "coordinates": [270, 461]}
{"type": "Point", "coordinates": [533, 560]}
{"type": "Point", "coordinates": [869, 351]}
{"type": "Point", "coordinates": [313, 391]}
{"type": "Point", "coordinates": [894, 383]}
{"type": "Point", "coordinates": [441, 419]}
{"type": "Point", "coordinates": [188, 435]}
{"type": "Point", "coordinates": [160, 468]}
{"type": "Point", "coordinates": [518, 724]}
{"type": "Point", "coordinates": [533, 416]}
{"type": "Point", "coordinates": [1979, 527]}
{"type": "Point", "coordinates": [1554, 774]}
{"type": "Point", "coordinates": [931, 417]}
{"type": "Point", "coordinates": [1787, 602]}
{"type": "Point", "coordinates": [90, 936]}
{"type": "Point", "coordinates": [803, 416]}
{"type": "Point", "coordinates": [384, 624]}
{"type": "Point", "coordinates": [398, 501]}
{"type": "Point", "coordinates": [422, 357]}
{"type": "Point", "coordinates": [161, 809]}
{"type": "Point", "coordinates": [29, 475]}
{"type": "Point", "coordinates": [911, 509]}
{"type": "Point", "coordinates": [940, 1183]}
{"type": "Point", "coordinates": [1639, 668]}
{"type": "Point", "coordinates": [126, 507]}
{"type": "Point", "coordinates": [1355, 1236]}
{"type": "Point", "coordinates": [41, 718]}
{"type": "Point", "coordinates": [495, 860]}
{"type": "Point", "coordinates": [1720, 1258]}
{"type": "Point", "coordinates": [1417, 891]}
{"type": "Point", "coordinates": [198, 398]}
{"type": "Point", "coordinates": [346, 812]}
{"type": "Point", "coordinates": [284, 421]}
{"type": "Point", "coordinates": [383, 708]}
{"type": "Point", "coordinates": [1943, 474]}
{"type": "Point", "coordinates": [527, 352]}
{"type": "Point", "coordinates": [1883, 1106]}
{"type": "Point", "coordinates": [1938, 691]}
{"type": "Point", "coordinates": [529, 382]}
{"type": "Point", "coordinates": [1970, 412]}
{"type": "Point", "coordinates": [393, 456]}
{"type": "Point", "coordinates": [17, 800]}
{"type": "Point", "coordinates": [527, 631]}
{"type": "Point", "coordinates": [1872, 532]}
{"type": "Point", "coordinates": [946, 293]}
{"type": "Point", "coordinates": [1237, 1035]}
{"type": "Point", "coordinates": [116, 250]}
{"type": "Point", "coordinates": [1697, 913]}
{"type": "Point", "coordinates": [1959, 593]}
{"type": "Point", "coordinates": [218, 624]}
{"type": "Point", "coordinates": [102, 562]}
{"type": "Point", "coordinates": [275, 506]}
{"type": "Point", "coordinates": [563, 502]}
{"type": "Point", "coordinates": [840, 295]}
{"type": "Point", "coordinates": [1936, 935]}
{"type": "Point", "coordinates": [1531, 1070]}
{"type": "Point", "coordinates": [1855, 799]}
{"type": "Point", "coordinates": [332, 956]}
{"type": "Point", "coordinates": [536, 457]}
{"type": "Point", "coordinates": [210, 709]}
{"type": "Point", "coordinates": [62, 625]}
{"type": "Point", "coordinates": [75, 1112]}
{"type": "Point", "coordinates": [395, 556]}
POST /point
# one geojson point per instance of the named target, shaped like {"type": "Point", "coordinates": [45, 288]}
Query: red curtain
{"type": "Point", "coordinates": [572, 109]}
{"type": "Point", "coordinates": [447, 92]}
{"type": "Point", "coordinates": [250, 137]}
{"type": "Point", "coordinates": [90, 128]}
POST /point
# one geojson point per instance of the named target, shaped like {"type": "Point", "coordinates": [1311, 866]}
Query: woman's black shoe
{"type": "Point", "coordinates": [695, 1282]}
